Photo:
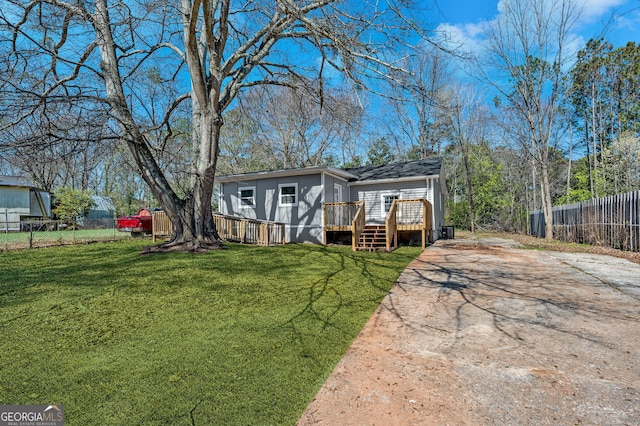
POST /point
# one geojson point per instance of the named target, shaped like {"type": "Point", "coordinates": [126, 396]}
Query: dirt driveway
{"type": "Point", "coordinates": [480, 332]}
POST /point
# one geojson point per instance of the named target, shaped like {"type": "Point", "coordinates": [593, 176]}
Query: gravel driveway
{"type": "Point", "coordinates": [482, 332]}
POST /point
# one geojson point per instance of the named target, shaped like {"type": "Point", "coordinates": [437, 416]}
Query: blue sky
{"type": "Point", "coordinates": [464, 18]}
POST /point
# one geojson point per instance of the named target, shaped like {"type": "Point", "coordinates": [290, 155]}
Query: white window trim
{"type": "Point", "coordinates": [284, 185]}
{"type": "Point", "coordinates": [339, 188]}
{"type": "Point", "coordinates": [247, 206]}
{"type": "Point", "coordinates": [388, 194]}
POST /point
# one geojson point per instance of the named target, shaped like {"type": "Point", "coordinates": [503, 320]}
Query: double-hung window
{"type": "Point", "coordinates": [247, 196]}
{"type": "Point", "coordinates": [288, 194]}
{"type": "Point", "coordinates": [387, 200]}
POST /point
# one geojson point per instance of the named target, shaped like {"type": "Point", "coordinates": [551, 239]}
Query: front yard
{"type": "Point", "coordinates": [245, 335]}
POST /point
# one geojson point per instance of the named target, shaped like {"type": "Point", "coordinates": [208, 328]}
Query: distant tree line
{"type": "Point", "coordinates": [541, 128]}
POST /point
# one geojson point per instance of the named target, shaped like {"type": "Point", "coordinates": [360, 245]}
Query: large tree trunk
{"type": "Point", "coordinates": [194, 227]}
{"type": "Point", "coordinates": [191, 216]}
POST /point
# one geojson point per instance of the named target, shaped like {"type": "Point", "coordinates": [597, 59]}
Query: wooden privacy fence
{"type": "Point", "coordinates": [611, 221]}
{"type": "Point", "coordinates": [230, 228]}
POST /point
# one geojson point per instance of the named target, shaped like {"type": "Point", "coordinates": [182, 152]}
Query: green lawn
{"type": "Point", "coordinates": [240, 336]}
{"type": "Point", "coordinates": [13, 240]}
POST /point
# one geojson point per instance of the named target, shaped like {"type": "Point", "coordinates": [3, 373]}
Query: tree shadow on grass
{"type": "Point", "coordinates": [329, 301]}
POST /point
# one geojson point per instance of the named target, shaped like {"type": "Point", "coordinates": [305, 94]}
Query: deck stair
{"type": "Point", "coordinates": [373, 238]}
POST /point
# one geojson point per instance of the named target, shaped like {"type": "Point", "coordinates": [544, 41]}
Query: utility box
{"type": "Point", "coordinates": [447, 233]}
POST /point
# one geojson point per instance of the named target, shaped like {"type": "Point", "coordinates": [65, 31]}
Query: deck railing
{"type": "Point", "coordinates": [249, 231]}
{"type": "Point", "coordinates": [410, 215]}
{"type": "Point", "coordinates": [345, 216]}
{"type": "Point", "coordinates": [391, 226]}
{"type": "Point", "coordinates": [357, 226]}
{"type": "Point", "coordinates": [339, 216]}
{"type": "Point", "coordinates": [230, 228]}
{"type": "Point", "coordinates": [403, 215]}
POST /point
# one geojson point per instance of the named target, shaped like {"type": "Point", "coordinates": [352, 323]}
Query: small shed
{"type": "Point", "coordinates": [20, 199]}
{"type": "Point", "coordinates": [102, 214]}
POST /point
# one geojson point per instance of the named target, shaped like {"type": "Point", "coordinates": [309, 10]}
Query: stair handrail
{"type": "Point", "coordinates": [357, 224]}
{"type": "Point", "coordinates": [391, 224]}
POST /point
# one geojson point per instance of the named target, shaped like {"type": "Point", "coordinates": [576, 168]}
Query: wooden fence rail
{"type": "Point", "coordinates": [612, 221]}
{"type": "Point", "coordinates": [231, 228]}
{"type": "Point", "coordinates": [249, 231]}
{"type": "Point", "coordinates": [161, 226]}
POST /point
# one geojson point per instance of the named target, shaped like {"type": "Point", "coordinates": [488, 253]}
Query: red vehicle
{"type": "Point", "coordinates": [138, 224]}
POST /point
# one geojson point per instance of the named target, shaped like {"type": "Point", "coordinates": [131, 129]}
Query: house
{"type": "Point", "coordinates": [19, 200]}
{"type": "Point", "coordinates": [321, 204]}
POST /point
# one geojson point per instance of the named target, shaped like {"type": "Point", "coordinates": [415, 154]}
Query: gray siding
{"type": "Point", "coordinates": [330, 182]}
{"type": "Point", "coordinates": [438, 207]}
{"type": "Point", "coordinates": [303, 221]}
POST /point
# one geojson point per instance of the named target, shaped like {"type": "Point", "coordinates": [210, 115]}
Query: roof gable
{"type": "Point", "coordinates": [286, 173]}
{"type": "Point", "coordinates": [407, 169]}
{"type": "Point", "coordinates": [417, 168]}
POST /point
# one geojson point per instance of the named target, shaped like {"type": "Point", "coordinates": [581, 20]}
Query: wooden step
{"type": "Point", "coordinates": [373, 238]}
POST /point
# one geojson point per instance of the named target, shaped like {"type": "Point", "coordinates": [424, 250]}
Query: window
{"type": "Point", "coordinates": [387, 200]}
{"type": "Point", "coordinates": [288, 194]}
{"type": "Point", "coordinates": [247, 197]}
{"type": "Point", "coordinates": [337, 193]}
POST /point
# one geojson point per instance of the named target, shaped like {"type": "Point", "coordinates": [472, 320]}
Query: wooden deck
{"type": "Point", "coordinates": [230, 228]}
{"type": "Point", "coordinates": [404, 216]}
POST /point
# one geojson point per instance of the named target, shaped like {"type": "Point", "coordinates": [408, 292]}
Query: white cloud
{"type": "Point", "coordinates": [468, 38]}
{"type": "Point", "coordinates": [464, 37]}
{"type": "Point", "coordinates": [595, 9]}
{"type": "Point", "coordinates": [592, 10]}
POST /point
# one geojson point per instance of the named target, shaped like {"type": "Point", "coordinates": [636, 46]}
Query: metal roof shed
{"type": "Point", "coordinates": [19, 199]}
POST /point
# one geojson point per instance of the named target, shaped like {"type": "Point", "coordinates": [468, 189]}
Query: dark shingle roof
{"type": "Point", "coordinates": [428, 167]}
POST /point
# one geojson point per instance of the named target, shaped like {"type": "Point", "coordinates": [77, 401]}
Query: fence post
{"type": "Point", "coordinates": [30, 236]}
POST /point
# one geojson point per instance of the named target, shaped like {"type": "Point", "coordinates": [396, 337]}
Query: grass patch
{"type": "Point", "coordinates": [239, 336]}
{"type": "Point", "coordinates": [18, 240]}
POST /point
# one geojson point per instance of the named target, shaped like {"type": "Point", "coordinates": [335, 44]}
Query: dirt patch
{"type": "Point", "coordinates": [477, 333]}
{"type": "Point", "coordinates": [556, 245]}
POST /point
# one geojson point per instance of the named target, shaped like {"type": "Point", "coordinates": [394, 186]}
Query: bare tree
{"type": "Point", "coordinates": [295, 126]}
{"type": "Point", "coordinates": [467, 119]}
{"type": "Point", "coordinates": [527, 49]}
{"type": "Point", "coordinates": [414, 98]}
{"type": "Point", "coordinates": [61, 149]}
{"type": "Point", "coordinates": [209, 49]}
